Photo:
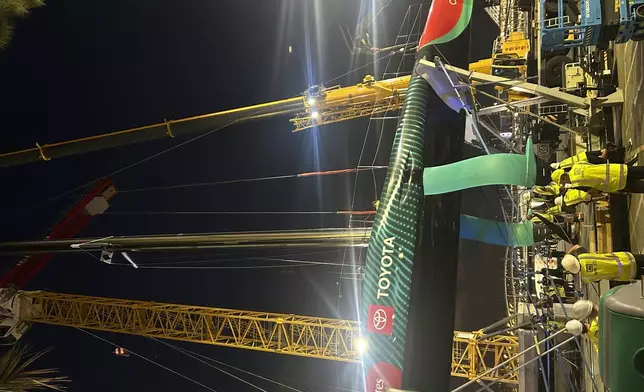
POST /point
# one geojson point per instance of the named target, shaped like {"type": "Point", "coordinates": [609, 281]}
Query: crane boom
{"type": "Point", "coordinates": [315, 337]}
{"type": "Point", "coordinates": [304, 336]}
{"type": "Point", "coordinates": [317, 106]}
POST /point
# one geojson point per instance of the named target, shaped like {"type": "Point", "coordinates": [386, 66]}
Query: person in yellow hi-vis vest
{"type": "Point", "coordinates": [585, 309]}
{"type": "Point", "coordinates": [594, 157]}
{"type": "Point", "coordinates": [552, 189]}
{"type": "Point", "coordinates": [612, 153]}
{"type": "Point", "coordinates": [535, 219]}
{"type": "Point", "coordinates": [558, 209]}
{"type": "Point", "coordinates": [593, 267]}
{"type": "Point", "coordinates": [573, 197]}
{"type": "Point", "coordinates": [556, 176]}
{"type": "Point", "coordinates": [609, 177]}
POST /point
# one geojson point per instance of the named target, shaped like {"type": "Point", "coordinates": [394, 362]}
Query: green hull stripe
{"type": "Point", "coordinates": [495, 169]}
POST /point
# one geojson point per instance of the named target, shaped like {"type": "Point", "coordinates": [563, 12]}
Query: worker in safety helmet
{"type": "Point", "coordinates": [593, 267]}
{"type": "Point", "coordinates": [609, 177]}
{"type": "Point", "coordinates": [534, 217]}
{"type": "Point", "coordinates": [553, 189]}
{"type": "Point", "coordinates": [586, 310]}
{"type": "Point", "coordinates": [560, 209]}
{"type": "Point", "coordinates": [571, 198]}
{"type": "Point", "coordinates": [611, 153]}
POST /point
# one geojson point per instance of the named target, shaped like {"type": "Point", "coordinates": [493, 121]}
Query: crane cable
{"type": "Point", "coordinates": [193, 356]}
{"type": "Point", "coordinates": [154, 260]}
{"type": "Point", "coordinates": [364, 143]}
{"type": "Point", "coordinates": [291, 263]}
{"type": "Point", "coordinates": [341, 212]}
{"type": "Point", "coordinates": [149, 360]}
{"type": "Point", "coordinates": [195, 138]}
{"type": "Point", "coordinates": [228, 259]}
{"type": "Point", "coordinates": [197, 357]}
{"type": "Point", "coordinates": [245, 180]}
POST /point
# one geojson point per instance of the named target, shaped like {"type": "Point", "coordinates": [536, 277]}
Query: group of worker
{"type": "Point", "coordinates": [581, 179]}
{"type": "Point", "coordinates": [591, 172]}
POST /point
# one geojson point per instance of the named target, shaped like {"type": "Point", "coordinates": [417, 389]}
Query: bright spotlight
{"type": "Point", "coordinates": [315, 115]}
{"type": "Point", "coordinates": [361, 345]}
{"type": "Point", "coordinates": [311, 101]}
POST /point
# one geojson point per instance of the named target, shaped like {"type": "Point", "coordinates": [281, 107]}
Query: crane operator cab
{"type": "Point", "coordinates": [121, 352]}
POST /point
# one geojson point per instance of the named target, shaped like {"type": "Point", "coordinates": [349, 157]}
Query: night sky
{"type": "Point", "coordinates": [78, 68]}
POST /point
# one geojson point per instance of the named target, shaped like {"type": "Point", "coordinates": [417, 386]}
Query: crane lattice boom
{"type": "Point", "coordinates": [272, 332]}
{"type": "Point", "coordinates": [313, 337]}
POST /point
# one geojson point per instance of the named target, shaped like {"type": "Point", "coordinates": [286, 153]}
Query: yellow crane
{"type": "Point", "coordinates": [289, 334]}
{"type": "Point", "coordinates": [318, 105]}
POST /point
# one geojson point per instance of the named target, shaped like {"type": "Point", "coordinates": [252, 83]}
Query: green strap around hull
{"type": "Point", "coordinates": [495, 169]}
{"type": "Point", "coordinates": [495, 232]}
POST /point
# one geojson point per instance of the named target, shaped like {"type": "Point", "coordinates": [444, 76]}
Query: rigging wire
{"type": "Point", "coordinates": [295, 264]}
{"type": "Point", "coordinates": [233, 259]}
{"type": "Point", "coordinates": [369, 212]}
{"type": "Point", "coordinates": [193, 356]}
{"type": "Point", "coordinates": [364, 143]}
{"type": "Point", "coordinates": [186, 351]}
{"type": "Point", "coordinates": [198, 137]}
{"type": "Point", "coordinates": [149, 360]}
{"type": "Point", "coordinates": [246, 180]}
{"type": "Point", "coordinates": [508, 222]}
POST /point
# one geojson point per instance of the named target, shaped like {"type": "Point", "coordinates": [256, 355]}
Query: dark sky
{"type": "Point", "coordinates": [77, 68]}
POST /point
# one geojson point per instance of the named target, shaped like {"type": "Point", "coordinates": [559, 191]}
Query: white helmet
{"type": "Point", "coordinates": [575, 327]}
{"type": "Point", "coordinates": [559, 201]}
{"type": "Point", "coordinates": [583, 308]}
{"type": "Point", "coordinates": [571, 264]}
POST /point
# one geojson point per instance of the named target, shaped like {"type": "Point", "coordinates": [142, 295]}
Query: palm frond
{"type": "Point", "coordinates": [10, 10]}
{"type": "Point", "coordinates": [16, 377]}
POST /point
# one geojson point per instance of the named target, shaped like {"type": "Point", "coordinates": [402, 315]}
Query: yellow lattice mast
{"type": "Point", "coordinates": [290, 334]}
{"type": "Point", "coordinates": [474, 354]}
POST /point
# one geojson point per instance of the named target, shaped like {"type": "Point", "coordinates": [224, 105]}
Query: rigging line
{"type": "Point", "coordinates": [306, 261]}
{"type": "Point", "coordinates": [256, 179]}
{"type": "Point", "coordinates": [149, 360]}
{"type": "Point", "coordinates": [191, 355]}
{"type": "Point", "coordinates": [198, 137]}
{"type": "Point", "coordinates": [235, 267]}
{"type": "Point", "coordinates": [388, 55]}
{"type": "Point", "coordinates": [236, 258]}
{"type": "Point", "coordinates": [579, 347]}
{"type": "Point", "coordinates": [364, 143]}
{"type": "Point", "coordinates": [240, 259]}
{"type": "Point", "coordinates": [225, 364]}
{"type": "Point", "coordinates": [239, 213]}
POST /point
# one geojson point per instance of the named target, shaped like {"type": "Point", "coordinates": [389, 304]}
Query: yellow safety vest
{"type": "Point", "coordinates": [552, 189]}
{"type": "Point", "coordinates": [609, 177]}
{"type": "Point", "coordinates": [618, 266]}
{"type": "Point", "coordinates": [569, 162]}
{"type": "Point", "coordinates": [593, 333]}
{"type": "Point", "coordinates": [554, 210]}
{"type": "Point", "coordinates": [536, 219]}
{"type": "Point", "coordinates": [576, 196]}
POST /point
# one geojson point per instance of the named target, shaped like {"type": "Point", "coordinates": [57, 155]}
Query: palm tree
{"type": "Point", "coordinates": [10, 10]}
{"type": "Point", "coordinates": [16, 377]}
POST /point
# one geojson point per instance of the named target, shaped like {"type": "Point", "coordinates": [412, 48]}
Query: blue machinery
{"type": "Point", "coordinates": [598, 23]}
